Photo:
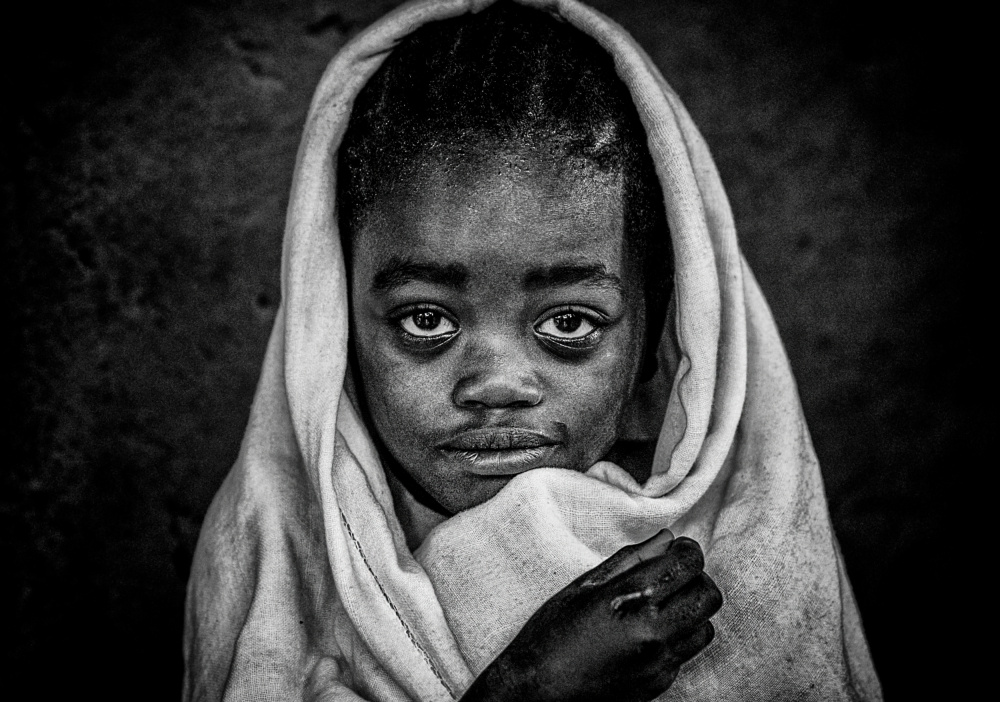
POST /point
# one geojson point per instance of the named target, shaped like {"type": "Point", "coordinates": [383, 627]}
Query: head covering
{"type": "Point", "coordinates": [303, 585]}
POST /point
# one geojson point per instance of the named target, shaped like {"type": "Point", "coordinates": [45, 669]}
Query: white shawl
{"type": "Point", "coordinates": [303, 586]}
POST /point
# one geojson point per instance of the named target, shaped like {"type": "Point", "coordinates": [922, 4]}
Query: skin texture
{"type": "Point", "coordinates": [533, 326]}
{"type": "Point", "coordinates": [620, 632]}
{"type": "Point", "coordinates": [498, 326]}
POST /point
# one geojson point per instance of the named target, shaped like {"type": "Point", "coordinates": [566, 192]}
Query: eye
{"type": "Point", "coordinates": [566, 326]}
{"type": "Point", "coordinates": [427, 324]}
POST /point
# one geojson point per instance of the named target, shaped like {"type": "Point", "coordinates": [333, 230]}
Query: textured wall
{"type": "Point", "coordinates": [147, 157]}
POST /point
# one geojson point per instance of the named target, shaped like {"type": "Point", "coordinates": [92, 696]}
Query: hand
{"type": "Point", "coordinates": [618, 632]}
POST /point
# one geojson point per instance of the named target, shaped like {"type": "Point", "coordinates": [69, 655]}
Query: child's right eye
{"type": "Point", "coordinates": [427, 324]}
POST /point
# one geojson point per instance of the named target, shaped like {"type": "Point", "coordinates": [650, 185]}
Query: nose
{"type": "Point", "coordinates": [497, 376]}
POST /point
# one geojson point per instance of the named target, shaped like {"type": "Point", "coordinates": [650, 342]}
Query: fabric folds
{"type": "Point", "coordinates": [303, 586]}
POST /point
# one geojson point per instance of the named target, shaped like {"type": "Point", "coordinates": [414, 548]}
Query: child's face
{"type": "Point", "coordinates": [498, 327]}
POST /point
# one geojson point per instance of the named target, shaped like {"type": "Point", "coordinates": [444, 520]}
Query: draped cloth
{"type": "Point", "coordinates": [303, 585]}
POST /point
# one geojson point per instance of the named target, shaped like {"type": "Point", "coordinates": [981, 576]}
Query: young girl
{"type": "Point", "coordinates": [517, 344]}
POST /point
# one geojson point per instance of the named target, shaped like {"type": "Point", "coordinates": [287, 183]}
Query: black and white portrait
{"type": "Point", "coordinates": [491, 350]}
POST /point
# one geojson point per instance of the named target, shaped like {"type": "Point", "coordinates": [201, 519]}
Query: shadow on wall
{"type": "Point", "coordinates": [148, 154]}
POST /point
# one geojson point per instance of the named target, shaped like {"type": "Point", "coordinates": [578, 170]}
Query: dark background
{"type": "Point", "coordinates": [147, 155]}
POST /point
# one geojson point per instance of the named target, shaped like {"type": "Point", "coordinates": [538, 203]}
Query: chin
{"type": "Point", "coordinates": [470, 491]}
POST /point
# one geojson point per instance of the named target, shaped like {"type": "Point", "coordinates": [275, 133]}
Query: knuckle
{"type": "Point", "coordinates": [708, 599]}
{"type": "Point", "coordinates": [689, 553]}
{"type": "Point", "coordinates": [713, 596]}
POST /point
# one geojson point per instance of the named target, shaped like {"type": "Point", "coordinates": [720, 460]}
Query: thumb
{"type": "Point", "coordinates": [627, 558]}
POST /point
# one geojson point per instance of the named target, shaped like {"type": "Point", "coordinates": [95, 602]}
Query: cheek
{"type": "Point", "coordinates": [594, 394]}
{"type": "Point", "coordinates": [401, 395]}
{"type": "Point", "coordinates": [600, 390]}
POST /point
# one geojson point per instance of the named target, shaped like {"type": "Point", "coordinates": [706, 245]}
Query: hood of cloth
{"type": "Point", "coordinates": [304, 586]}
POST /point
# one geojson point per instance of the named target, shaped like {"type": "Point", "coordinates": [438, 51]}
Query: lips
{"type": "Point", "coordinates": [500, 450]}
{"type": "Point", "coordinates": [497, 439]}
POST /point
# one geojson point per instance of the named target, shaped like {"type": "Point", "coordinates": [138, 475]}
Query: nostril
{"type": "Point", "coordinates": [523, 403]}
{"type": "Point", "coordinates": [498, 391]}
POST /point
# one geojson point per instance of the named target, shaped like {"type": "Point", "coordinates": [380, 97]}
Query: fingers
{"type": "Point", "coordinates": [687, 612]}
{"type": "Point", "coordinates": [691, 645]}
{"type": "Point", "coordinates": [627, 558]}
{"type": "Point", "coordinates": [672, 655]}
{"type": "Point", "coordinates": [652, 582]}
{"type": "Point", "coordinates": [699, 600]}
{"type": "Point", "coordinates": [669, 597]}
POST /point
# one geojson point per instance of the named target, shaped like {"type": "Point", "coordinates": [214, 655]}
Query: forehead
{"type": "Point", "coordinates": [498, 215]}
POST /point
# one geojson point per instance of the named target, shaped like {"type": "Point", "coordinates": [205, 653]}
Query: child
{"type": "Point", "coordinates": [487, 397]}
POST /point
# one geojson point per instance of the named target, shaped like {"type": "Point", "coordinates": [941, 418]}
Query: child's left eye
{"type": "Point", "coordinates": [566, 326]}
{"type": "Point", "coordinates": [427, 324]}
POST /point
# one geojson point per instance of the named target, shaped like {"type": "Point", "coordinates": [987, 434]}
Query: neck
{"type": "Point", "coordinates": [416, 518]}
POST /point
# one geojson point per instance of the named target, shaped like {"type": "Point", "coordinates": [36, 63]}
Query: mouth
{"type": "Point", "coordinates": [499, 450]}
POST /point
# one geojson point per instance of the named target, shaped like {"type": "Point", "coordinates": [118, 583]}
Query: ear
{"type": "Point", "coordinates": [644, 412]}
{"type": "Point", "coordinates": [660, 345]}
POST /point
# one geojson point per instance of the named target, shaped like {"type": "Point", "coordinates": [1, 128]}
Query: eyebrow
{"type": "Point", "coordinates": [588, 274]}
{"type": "Point", "coordinates": [399, 271]}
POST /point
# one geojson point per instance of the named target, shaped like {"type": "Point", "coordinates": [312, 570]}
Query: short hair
{"type": "Point", "coordinates": [507, 78]}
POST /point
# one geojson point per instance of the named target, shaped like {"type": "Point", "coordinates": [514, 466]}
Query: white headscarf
{"type": "Point", "coordinates": [303, 586]}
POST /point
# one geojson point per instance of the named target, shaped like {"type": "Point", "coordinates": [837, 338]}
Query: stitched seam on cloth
{"type": "Point", "coordinates": [395, 611]}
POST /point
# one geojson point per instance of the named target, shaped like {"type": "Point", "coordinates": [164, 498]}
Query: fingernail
{"type": "Point", "coordinates": [656, 545]}
{"type": "Point", "coordinates": [663, 536]}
